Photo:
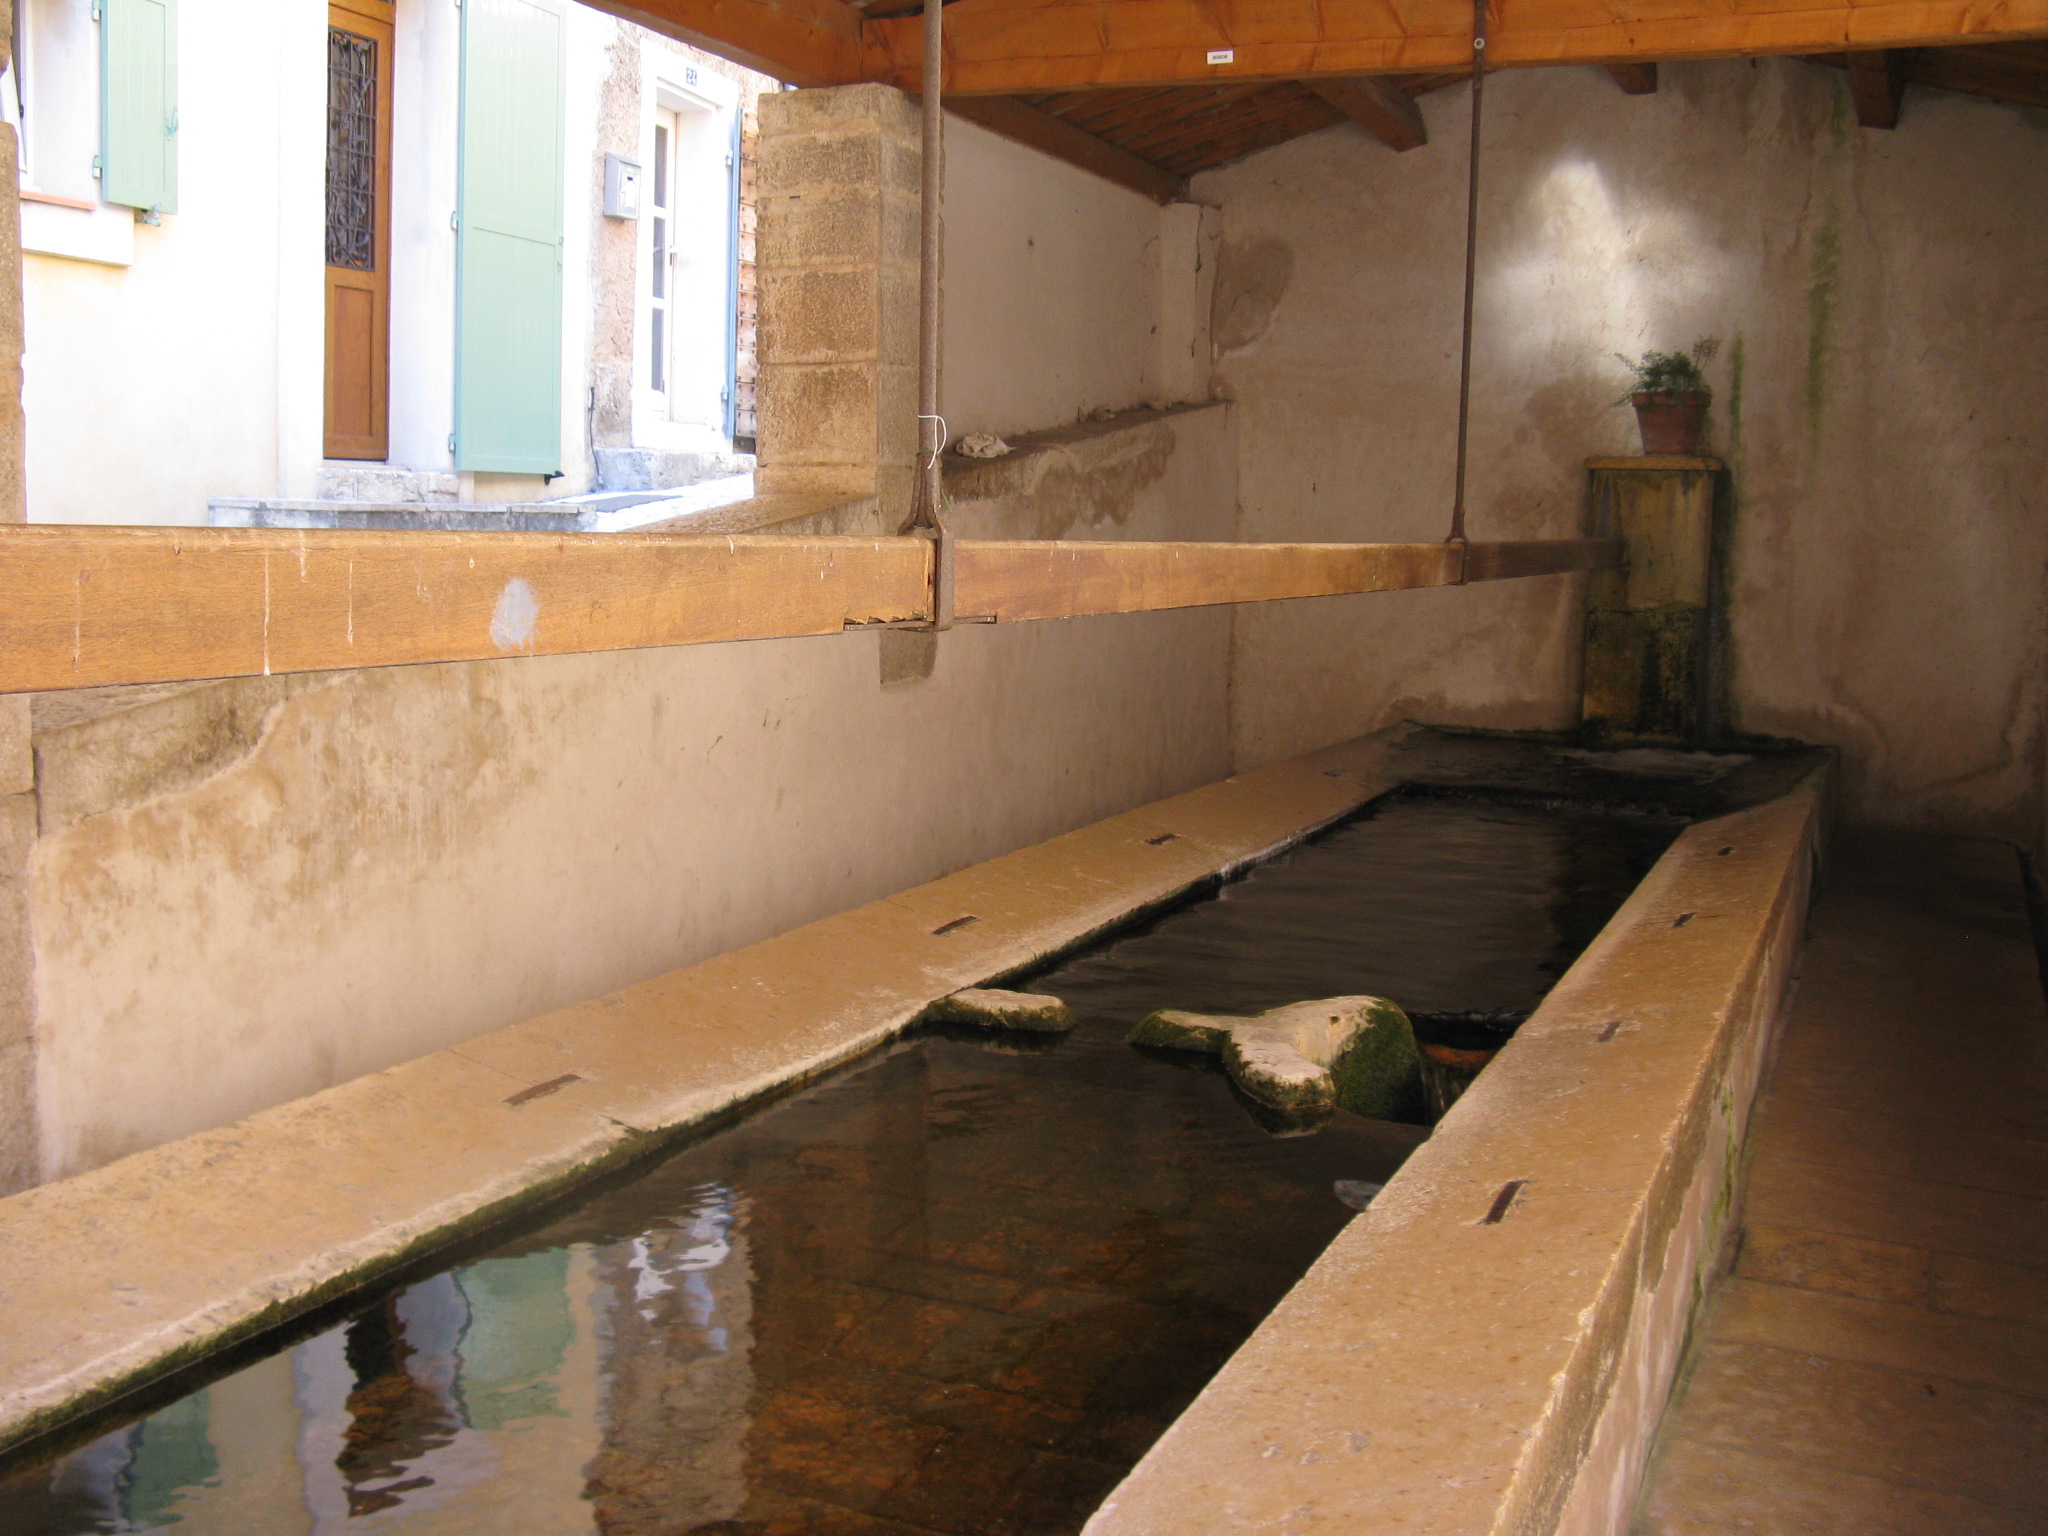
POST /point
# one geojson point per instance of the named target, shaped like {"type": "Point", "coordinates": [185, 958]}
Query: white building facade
{"type": "Point", "coordinates": [297, 249]}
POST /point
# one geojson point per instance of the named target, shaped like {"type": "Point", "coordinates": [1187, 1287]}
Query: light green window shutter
{"type": "Point", "coordinates": [508, 294]}
{"type": "Point", "coordinates": [139, 103]}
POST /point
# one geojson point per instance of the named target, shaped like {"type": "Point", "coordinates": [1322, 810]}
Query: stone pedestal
{"type": "Point", "coordinates": [1648, 673]}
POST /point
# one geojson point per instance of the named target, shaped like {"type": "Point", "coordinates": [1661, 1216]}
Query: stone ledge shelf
{"type": "Point", "coordinates": [119, 1276]}
{"type": "Point", "coordinates": [1489, 1347]}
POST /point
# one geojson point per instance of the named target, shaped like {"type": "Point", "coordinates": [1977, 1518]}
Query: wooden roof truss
{"type": "Point", "coordinates": [1131, 89]}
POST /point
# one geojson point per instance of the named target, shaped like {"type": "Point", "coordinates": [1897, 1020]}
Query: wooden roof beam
{"type": "Point", "coordinates": [1040, 130]}
{"type": "Point", "coordinates": [805, 42]}
{"type": "Point", "coordinates": [1635, 79]}
{"type": "Point", "coordinates": [1025, 47]}
{"type": "Point", "coordinates": [1877, 83]}
{"type": "Point", "coordinates": [1378, 106]}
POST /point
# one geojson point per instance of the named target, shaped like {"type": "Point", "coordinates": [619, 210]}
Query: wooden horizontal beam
{"type": "Point", "coordinates": [1024, 47]}
{"type": "Point", "coordinates": [1507, 560]}
{"type": "Point", "coordinates": [1040, 130]}
{"type": "Point", "coordinates": [1064, 580]}
{"type": "Point", "coordinates": [805, 42]}
{"type": "Point", "coordinates": [1380, 107]}
{"type": "Point", "coordinates": [86, 607]}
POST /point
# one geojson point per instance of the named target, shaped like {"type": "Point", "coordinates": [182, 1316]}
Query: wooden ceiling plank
{"type": "Point", "coordinates": [1027, 125]}
{"type": "Point", "coordinates": [1311, 115]}
{"type": "Point", "coordinates": [1248, 116]}
{"type": "Point", "coordinates": [1877, 83]}
{"type": "Point", "coordinates": [1199, 113]}
{"type": "Point", "coordinates": [1014, 48]}
{"type": "Point", "coordinates": [1215, 152]}
{"type": "Point", "coordinates": [1635, 79]}
{"type": "Point", "coordinates": [805, 42]}
{"type": "Point", "coordinates": [1089, 107]}
{"type": "Point", "coordinates": [1383, 110]}
{"type": "Point", "coordinates": [1137, 106]}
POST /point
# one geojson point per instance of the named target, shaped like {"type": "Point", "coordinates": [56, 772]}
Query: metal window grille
{"type": "Point", "coordinates": [351, 151]}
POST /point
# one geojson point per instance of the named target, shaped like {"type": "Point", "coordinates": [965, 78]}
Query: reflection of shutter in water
{"type": "Point", "coordinates": [169, 1453]}
{"type": "Point", "coordinates": [519, 1330]}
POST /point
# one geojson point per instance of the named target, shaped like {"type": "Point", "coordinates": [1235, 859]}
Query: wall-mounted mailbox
{"type": "Point", "coordinates": [621, 187]}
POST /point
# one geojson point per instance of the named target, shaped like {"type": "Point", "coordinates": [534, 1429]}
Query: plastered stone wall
{"type": "Point", "coordinates": [1064, 293]}
{"type": "Point", "coordinates": [1882, 310]}
{"type": "Point", "coordinates": [248, 891]}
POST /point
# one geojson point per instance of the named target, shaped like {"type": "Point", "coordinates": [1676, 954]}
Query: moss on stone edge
{"type": "Point", "coordinates": [1174, 1029]}
{"type": "Point", "coordinates": [1376, 1072]}
{"type": "Point", "coordinates": [1379, 1073]}
{"type": "Point", "coordinates": [988, 1008]}
{"type": "Point", "coordinates": [1272, 1070]}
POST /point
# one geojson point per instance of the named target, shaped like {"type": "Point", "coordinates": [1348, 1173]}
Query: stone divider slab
{"type": "Point", "coordinates": [1488, 1348]}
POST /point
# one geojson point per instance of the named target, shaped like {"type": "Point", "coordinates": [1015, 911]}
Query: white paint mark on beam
{"type": "Point", "coordinates": [513, 621]}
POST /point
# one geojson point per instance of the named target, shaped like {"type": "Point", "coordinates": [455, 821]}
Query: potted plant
{"type": "Point", "coordinates": [1670, 395]}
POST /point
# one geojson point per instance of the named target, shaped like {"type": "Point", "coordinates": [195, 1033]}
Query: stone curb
{"type": "Point", "coordinates": [1488, 1348]}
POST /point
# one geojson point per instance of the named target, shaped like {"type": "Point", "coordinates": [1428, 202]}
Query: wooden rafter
{"type": "Point", "coordinates": [1026, 124]}
{"type": "Point", "coordinates": [1014, 47]}
{"type": "Point", "coordinates": [1380, 107]}
{"type": "Point", "coordinates": [2014, 72]}
{"type": "Point", "coordinates": [84, 606]}
{"type": "Point", "coordinates": [805, 42]}
{"type": "Point", "coordinates": [1877, 82]}
{"type": "Point", "coordinates": [1635, 79]}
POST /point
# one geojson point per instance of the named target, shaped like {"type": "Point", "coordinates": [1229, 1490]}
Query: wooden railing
{"type": "Point", "coordinates": [86, 606]}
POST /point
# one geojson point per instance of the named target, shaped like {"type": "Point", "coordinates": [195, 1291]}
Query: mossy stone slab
{"type": "Point", "coordinates": [1355, 1053]}
{"type": "Point", "coordinates": [992, 1008]}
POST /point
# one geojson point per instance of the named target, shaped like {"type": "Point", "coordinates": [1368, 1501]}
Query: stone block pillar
{"type": "Point", "coordinates": [836, 259]}
{"type": "Point", "coordinates": [1648, 673]}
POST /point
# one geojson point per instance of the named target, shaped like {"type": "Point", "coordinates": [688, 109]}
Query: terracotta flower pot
{"type": "Point", "coordinates": [1670, 424]}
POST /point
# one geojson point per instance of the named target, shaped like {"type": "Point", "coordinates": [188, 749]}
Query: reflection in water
{"type": "Point", "coordinates": [958, 1289]}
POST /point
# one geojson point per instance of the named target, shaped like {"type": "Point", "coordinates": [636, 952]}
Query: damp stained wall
{"type": "Point", "coordinates": [249, 891]}
{"type": "Point", "coordinates": [1053, 289]}
{"type": "Point", "coordinates": [1882, 303]}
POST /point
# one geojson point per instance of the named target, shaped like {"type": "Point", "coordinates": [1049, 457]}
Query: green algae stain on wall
{"type": "Point", "coordinates": [1735, 366]}
{"type": "Point", "coordinates": [1841, 115]}
{"type": "Point", "coordinates": [1823, 294]}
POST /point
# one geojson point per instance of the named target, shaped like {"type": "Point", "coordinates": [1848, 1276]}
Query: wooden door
{"type": "Point", "coordinates": [358, 228]}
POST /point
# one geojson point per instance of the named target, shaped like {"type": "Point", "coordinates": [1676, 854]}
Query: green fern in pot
{"type": "Point", "coordinates": [1671, 394]}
